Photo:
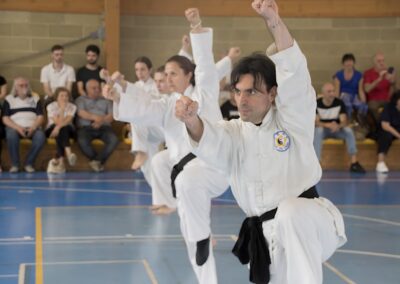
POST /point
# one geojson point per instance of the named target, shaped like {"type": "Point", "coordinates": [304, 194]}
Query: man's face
{"type": "Point", "coordinates": [91, 57]}
{"type": "Point", "coordinates": [21, 87]}
{"type": "Point", "coordinates": [161, 83]}
{"type": "Point", "coordinates": [328, 92]}
{"type": "Point", "coordinates": [93, 89]}
{"type": "Point", "coordinates": [177, 80]}
{"type": "Point", "coordinates": [379, 62]}
{"type": "Point", "coordinates": [141, 71]}
{"type": "Point", "coordinates": [253, 102]}
{"type": "Point", "coordinates": [58, 56]}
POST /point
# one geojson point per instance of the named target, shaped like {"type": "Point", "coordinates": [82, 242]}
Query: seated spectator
{"type": "Point", "coordinates": [90, 71]}
{"type": "Point", "coordinates": [389, 130]}
{"type": "Point", "coordinates": [56, 74]}
{"type": "Point", "coordinates": [349, 88]}
{"type": "Point", "coordinates": [3, 93]}
{"type": "Point", "coordinates": [379, 83]}
{"type": "Point", "coordinates": [3, 89]}
{"type": "Point", "coordinates": [94, 122]}
{"type": "Point", "coordinates": [331, 122]}
{"type": "Point", "coordinates": [23, 117]}
{"type": "Point", "coordinates": [60, 115]}
{"type": "Point", "coordinates": [229, 109]}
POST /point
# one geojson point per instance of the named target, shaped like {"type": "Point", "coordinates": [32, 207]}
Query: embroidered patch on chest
{"type": "Point", "coordinates": [281, 141]}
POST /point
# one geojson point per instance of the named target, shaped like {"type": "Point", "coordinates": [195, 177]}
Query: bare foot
{"type": "Point", "coordinates": [165, 210]}
{"type": "Point", "coordinates": [140, 159]}
{"type": "Point", "coordinates": [155, 207]}
{"type": "Point", "coordinates": [213, 242]}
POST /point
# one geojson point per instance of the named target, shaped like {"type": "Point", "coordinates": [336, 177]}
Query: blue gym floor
{"type": "Point", "coordinates": [96, 228]}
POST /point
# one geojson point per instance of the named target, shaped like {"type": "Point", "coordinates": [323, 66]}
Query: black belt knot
{"type": "Point", "coordinates": [252, 247]}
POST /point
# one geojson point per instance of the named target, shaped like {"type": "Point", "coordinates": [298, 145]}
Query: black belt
{"type": "Point", "coordinates": [178, 168]}
{"type": "Point", "coordinates": [252, 246]}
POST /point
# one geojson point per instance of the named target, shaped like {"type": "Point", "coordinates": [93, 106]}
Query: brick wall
{"type": "Point", "coordinates": [25, 34]}
{"type": "Point", "coordinates": [323, 40]}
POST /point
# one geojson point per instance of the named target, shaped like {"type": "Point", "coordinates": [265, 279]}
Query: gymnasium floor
{"type": "Point", "coordinates": [95, 228]}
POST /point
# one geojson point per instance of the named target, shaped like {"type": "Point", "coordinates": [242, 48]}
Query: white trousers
{"type": "Point", "coordinates": [161, 167]}
{"type": "Point", "coordinates": [304, 234]}
{"type": "Point", "coordinates": [195, 186]}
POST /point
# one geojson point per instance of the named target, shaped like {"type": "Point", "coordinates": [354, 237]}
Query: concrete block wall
{"type": "Point", "coordinates": [323, 40]}
{"type": "Point", "coordinates": [26, 34]}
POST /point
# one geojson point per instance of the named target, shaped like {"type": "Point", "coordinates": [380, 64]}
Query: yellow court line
{"type": "Point", "coordinates": [149, 272]}
{"type": "Point", "coordinates": [39, 246]}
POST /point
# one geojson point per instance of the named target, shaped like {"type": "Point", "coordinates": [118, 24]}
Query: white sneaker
{"type": "Point", "coordinates": [96, 166]}
{"type": "Point", "coordinates": [29, 169]}
{"type": "Point", "coordinates": [381, 167]}
{"type": "Point", "coordinates": [14, 169]}
{"type": "Point", "coordinates": [55, 167]}
{"type": "Point", "coordinates": [71, 159]}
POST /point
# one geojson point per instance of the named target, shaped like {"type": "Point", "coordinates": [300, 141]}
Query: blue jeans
{"type": "Point", "coordinates": [12, 137]}
{"type": "Point", "coordinates": [105, 133]}
{"type": "Point", "coordinates": [345, 133]}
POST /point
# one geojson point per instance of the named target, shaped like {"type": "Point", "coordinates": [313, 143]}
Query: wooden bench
{"type": "Point", "coordinates": [334, 155]}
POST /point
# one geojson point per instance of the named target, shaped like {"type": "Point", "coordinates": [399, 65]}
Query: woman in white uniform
{"type": "Point", "coordinates": [269, 156]}
{"type": "Point", "coordinates": [197, 183]}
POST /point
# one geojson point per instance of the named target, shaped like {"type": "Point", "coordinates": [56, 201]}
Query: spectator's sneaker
{"type": "Point", "coordinates": [357, 168]}
{"type": "Point", "coordinates": [96, 166]}
{"type": "Point", "coordinates": [14, 169]}
{"type": "Point", "coordinates": [51, 166]}
{"type": "Point", "coordinates": [55, 167]}
{"type": "Point", "coordinates": [71, 159]}
{"type": "Point", "coordinates": [381, 167]}
{"type": "Point", "coordinates": [29, 169]}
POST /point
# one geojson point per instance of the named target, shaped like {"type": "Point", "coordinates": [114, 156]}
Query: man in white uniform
{"type": "Point", "coordinates": [197, 183]}
{"type": "Point", "coordinates": [268, 154]}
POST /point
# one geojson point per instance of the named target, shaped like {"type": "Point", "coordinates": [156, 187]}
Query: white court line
{"type": "Point", "coordinates": [8, 275]}
{"type": "Point", "coordinates": [382, 221]}
{"type": "Point", "coordinates": [21, 273]}
{"type": "Point", "coordinates": [358, 180]}
{"type": "Point", "coordinates": [72, 180]}
{"type": "Point", "coordinates": [76, 190]}
{"type": "Point", "coordinates": [146, 265]}
{"type": "Point", "coordinates": [27, 238]}
{"type": "Point", "coordinates": [128, 236]}
{"type": "Point", "coordinates": [369, 253]}
{"type": "Point", "coordinates": [339, 273]}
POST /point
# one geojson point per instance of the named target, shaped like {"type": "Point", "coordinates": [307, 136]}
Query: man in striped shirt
{"type": "Point", "coordinates": [23, 118]}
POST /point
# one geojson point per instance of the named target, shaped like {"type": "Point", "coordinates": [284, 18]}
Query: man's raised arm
{"type": "Point", "coordinates": [268, 10]}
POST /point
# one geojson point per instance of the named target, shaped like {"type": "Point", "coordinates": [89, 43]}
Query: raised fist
{"type": "Point", "coordinates": [105, 75]}
{"type": "Point", "coordinates": [234, 53]}
{"type": "Point", "coordinates": [110, 93]}
{"type": "Point", "coordinates": [193, 16]}
{"type": "Point", "coordinates": [186, 109]}
{"type": "Point", "coordinates": [266, 8]}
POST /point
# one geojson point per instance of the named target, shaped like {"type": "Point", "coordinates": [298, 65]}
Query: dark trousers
{"type": "Point", "coordinates": [62, 140]}
{"type": "Point", "coordinates": [105, 133]}
{"type": "Point", "coordinates": [385, 140]}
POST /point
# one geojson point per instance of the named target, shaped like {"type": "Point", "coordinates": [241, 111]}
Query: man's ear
{"type": "Point", "coordinates": [273, 92]}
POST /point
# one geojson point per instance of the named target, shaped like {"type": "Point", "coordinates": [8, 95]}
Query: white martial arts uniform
{"type": "Point", "coordinates": [147, 139]}
{"type": "Point", "coordinates": [270, 165]}
{"type": "Point", "coordinates": [198, 182]}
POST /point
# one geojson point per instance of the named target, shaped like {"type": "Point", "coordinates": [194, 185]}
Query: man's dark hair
{"type": "Point", "coordinates": [260, 67]}
{"type": "Point", "coordinates": [347, 57]}
{"type": "Point", "coordinates": [56, 47]}
{"type": "Point", "coordinates": [160, 69]}
{"type": "Point", "coordinates": [145, 60]}
{"type": "Point", "coordinates": [93, 48]}
{"type": "Point", "coordinates": [395, 97]}
{"type": "Point", "coordinates": [185, 64]}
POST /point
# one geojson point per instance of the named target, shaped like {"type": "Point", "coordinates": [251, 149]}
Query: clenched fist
{"type": "Point", "coordinates": [268, 9]}
{"type": "Point", "coordinates": [110, 93]}
{"type": "Point", "coordinates": [234, 53]}
{"type": "Point", "coordinates": [186, 109]}
{"type": "Point", "coordinates": [193, 16]}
